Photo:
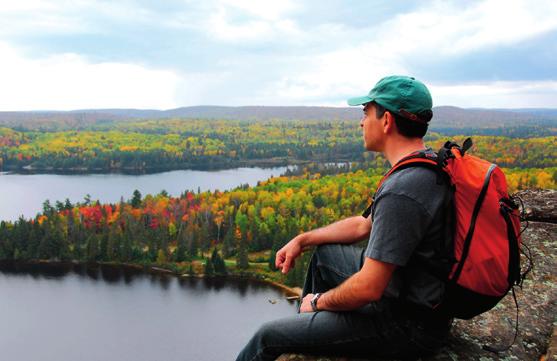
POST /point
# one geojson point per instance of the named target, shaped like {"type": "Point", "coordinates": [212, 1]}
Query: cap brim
{"type": "Point", "coordinates": [359, 100]}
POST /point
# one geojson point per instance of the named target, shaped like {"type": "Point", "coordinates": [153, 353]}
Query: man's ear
{"type": "Point", "coordinates": [388, 123]}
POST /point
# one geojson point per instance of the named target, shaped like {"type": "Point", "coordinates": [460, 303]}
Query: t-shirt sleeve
{"type": "Point", "coordinates": [399, 224]}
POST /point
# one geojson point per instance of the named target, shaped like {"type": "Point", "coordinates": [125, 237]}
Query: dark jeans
{"type": "Point", "coordinates": [371, 331]}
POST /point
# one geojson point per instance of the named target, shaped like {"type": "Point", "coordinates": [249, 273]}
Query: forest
{"type": "Point", "coordinates": [158, 145]}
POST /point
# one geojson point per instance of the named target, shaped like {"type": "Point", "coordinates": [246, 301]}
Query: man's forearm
{"type": "Point", "coordinates": [351, 294]}
{"type": "Point", "coordinates": [364, 286]}
{"type": "Point", "coordinates": [348, 230]}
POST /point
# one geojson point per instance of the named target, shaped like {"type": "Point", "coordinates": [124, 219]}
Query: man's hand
{"type": "Point", "coordinates": [306, 303]}
{"type": "Point", "coordinates": [284, 260]}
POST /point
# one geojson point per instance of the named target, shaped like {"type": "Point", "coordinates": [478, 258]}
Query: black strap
{"type": "Point", "coordinates": [470, 234]}
{"type": "Point", "coordinates": [497, 349]}
{"type": "Point", "coordinates": [466, 145]}
{"type": "Point", "coordinates": [445, 153]}
{"type": "Point", "coordinates": [514, 277]}
{"type": "Point", "coordinates": [367, 212]}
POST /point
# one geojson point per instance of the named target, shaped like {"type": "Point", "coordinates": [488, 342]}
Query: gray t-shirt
{"type": "Point", "coordinates": [409, 218]}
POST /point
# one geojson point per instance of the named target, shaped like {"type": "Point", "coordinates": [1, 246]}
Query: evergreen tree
{"type": "Point", "coordinates": [218, 263]}
{"type": "Point", "coordinates": [93, 248]}
{"type": "Point", "coordinates": [228, 243]}
{"type": "Point", "coordinates": [272, 256]}
{"type": "Point", "coordinates": [59, 206]}
{"type": "Point", "coordinates": [193, 247]}
{"type": "Point", "coordinates": [204, 237]}
{"type": "Point", "coordinates": [67, 204]}
{"type": "Point", "coordinates": [181, 245]}
{"type": "Point", "coordinates": [136, 199]}
{"type": "Point", "coordinates": [126, 249]}
{"type": "Point", "coordinates": [242, 259]}
{"type": "Point", "coordinates": [34, 240]}
{"type": "Point", "coordinates": [209, 270]}
{"type": "Point", "coordinates": [47, 208]}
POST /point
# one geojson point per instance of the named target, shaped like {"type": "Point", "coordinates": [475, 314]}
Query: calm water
{"type": "Point", "coordinates": [24, 194]}
{"type": "Point", "coordinates": [78, 313]}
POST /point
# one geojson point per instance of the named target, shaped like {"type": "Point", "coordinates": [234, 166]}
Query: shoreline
{"type": "Point", "coordinates": [217, 166]}
{"type": "Point", "coordinates": [289, 292]}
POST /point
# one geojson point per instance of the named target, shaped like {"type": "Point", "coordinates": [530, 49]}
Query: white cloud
{"type": "Point", "coordinates": [500, 94]}
{"type": "Point", "coordinates": [68, 81]}
{"type": "Point", "coordinates": [448, 28]}
{"type": "Point", "coordinates": [32, 17]}
{"type": "Point", "coordinates": [268, 10]}
{"type": "Point", "coordinates": [347, 72]}
{"type": "Point", "coordinates": [260, 20]}
{"type": "Point", "coordinates": [26, 16]}
{"type": "Point", "coordinates": [438, 29]}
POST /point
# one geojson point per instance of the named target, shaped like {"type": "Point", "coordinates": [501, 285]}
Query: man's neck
{"type": "Point", "coordinates": [400, 148]}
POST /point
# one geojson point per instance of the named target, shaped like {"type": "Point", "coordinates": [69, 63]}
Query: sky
{"type": "Point", "coordinates": [85, 54]}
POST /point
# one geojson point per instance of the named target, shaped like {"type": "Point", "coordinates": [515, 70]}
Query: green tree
{"type": "Point", "coordinates": [218, 263]}
{"type": "Point", "coordinates": [209, 269]}
{"type": "Point", "coordinates": [136, 199]}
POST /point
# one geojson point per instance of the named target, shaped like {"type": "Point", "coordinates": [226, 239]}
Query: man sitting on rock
{"type": "Point", "coordinates": [373, 301]}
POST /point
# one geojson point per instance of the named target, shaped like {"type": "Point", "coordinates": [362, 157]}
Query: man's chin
{"type": "Point", "coordinates": [369, 147]}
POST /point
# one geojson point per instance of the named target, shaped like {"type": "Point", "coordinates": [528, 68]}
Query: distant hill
{"type": "Point", "coordinates": [444, 116]}
{"type": "Point", "coordinates": [449, 117]}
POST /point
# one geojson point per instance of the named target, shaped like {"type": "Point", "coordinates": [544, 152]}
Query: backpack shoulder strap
{"type": "Point", "coordinates": [421, 159]}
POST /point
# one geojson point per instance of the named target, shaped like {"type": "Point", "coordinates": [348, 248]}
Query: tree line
{"type": "Point", "coordinates": [158, 145]}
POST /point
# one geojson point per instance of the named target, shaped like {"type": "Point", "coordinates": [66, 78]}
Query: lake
{"type": "Point", "coordinates": [68, 313]}
{"type": "Point", "coordinates": [24, 194]}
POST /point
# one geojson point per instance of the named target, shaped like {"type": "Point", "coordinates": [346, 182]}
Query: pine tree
{"type": "Point", "coordinates": [209, 270]}
{"type": "Point", "coordinates": [181, 245]}
{"type": "Point", "coordinates": [243, 262]}
{"type": "Point", "coordinates": [218, 263]}
{"type": "Point", "coordinates": [228, 243]}
{"type": "Point", "coordinates": [126, 248]}
{"type": "Point", "coordinates": [272, 256]}
{"type": "Point", "coordinates": [93, 249]}
{"type": "Point", "coordinates": [136, 199]}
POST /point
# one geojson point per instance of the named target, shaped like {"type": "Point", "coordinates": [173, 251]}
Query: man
{"type": "Point", "coordinates": [378, 301]}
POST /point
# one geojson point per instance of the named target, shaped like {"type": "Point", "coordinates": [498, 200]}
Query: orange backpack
{"type": "Point", "coordinates": [485, 263]}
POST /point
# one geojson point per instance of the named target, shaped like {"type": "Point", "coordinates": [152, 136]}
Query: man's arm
{"type": "Point", "coordinates": [348, 230]}
{"type": "Point", "coordinates": [363, 287]}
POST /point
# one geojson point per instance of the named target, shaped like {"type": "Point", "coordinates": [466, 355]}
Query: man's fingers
{"type": "Point", "coordinates": [286, 265]}
{"type": "Point", "coordinates": [279, 260]}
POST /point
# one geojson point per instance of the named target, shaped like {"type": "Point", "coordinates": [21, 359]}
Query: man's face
{"type": "Point", "coordinates": [372, 129]}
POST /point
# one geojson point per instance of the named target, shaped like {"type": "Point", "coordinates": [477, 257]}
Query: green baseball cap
{"type": "Point", "coordinates": [399, 94]}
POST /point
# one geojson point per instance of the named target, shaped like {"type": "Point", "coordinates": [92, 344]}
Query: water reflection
{"type": "Point", "coordinates": [126, 275]}
{"type": "Point", "coordinates": [163, 316]}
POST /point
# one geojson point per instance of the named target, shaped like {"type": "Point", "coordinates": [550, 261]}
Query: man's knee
{"type": "Point", "coordinates": [269, 333]}
{"type": "Point", "coordinates": [326, 253]}
{"type": "Point", "coordinates": [341, 259]}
